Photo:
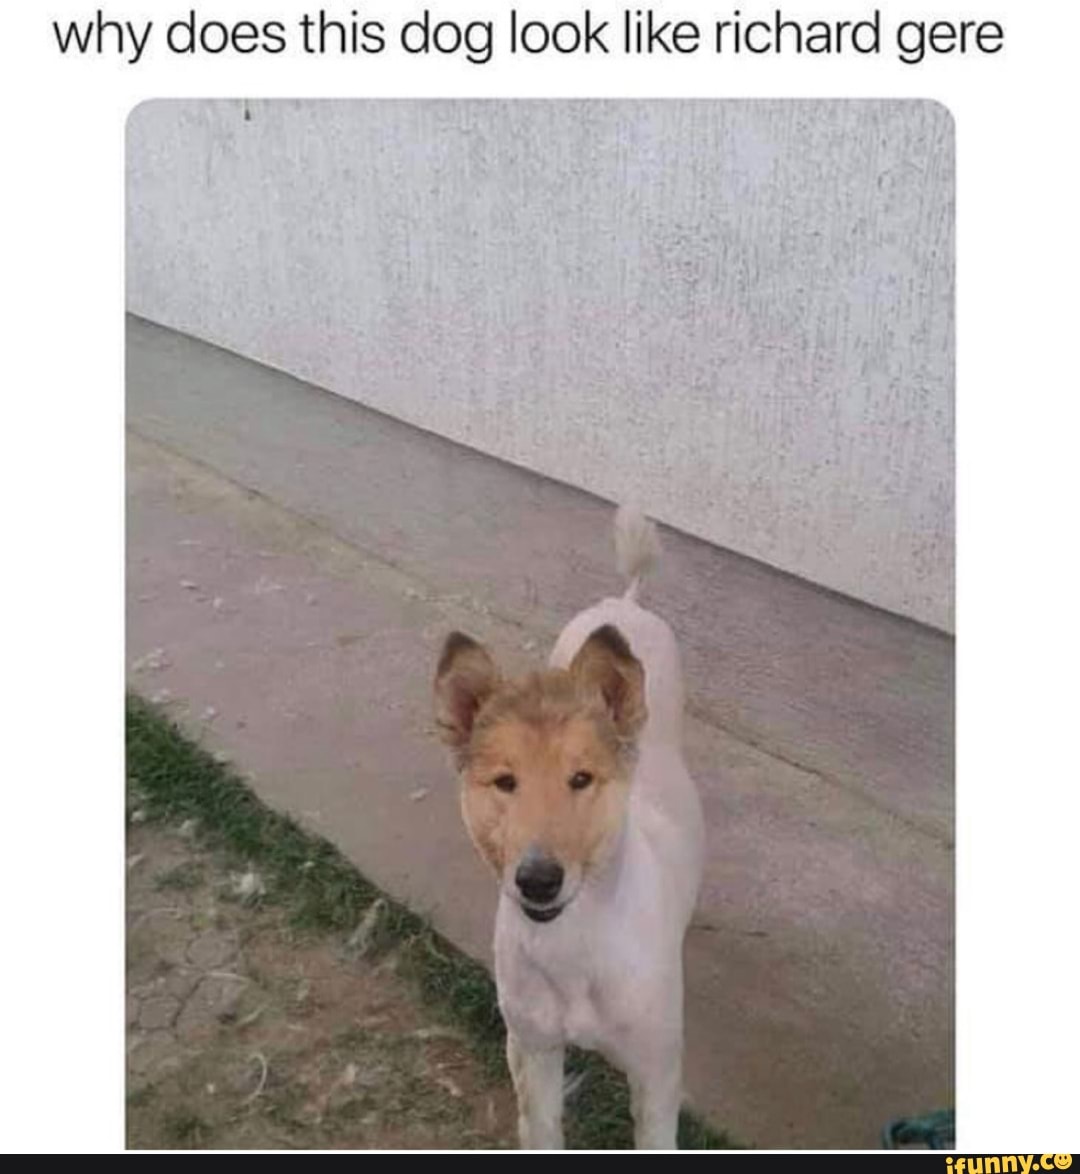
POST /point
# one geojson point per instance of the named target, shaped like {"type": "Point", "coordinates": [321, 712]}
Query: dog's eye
{"type": "Point", "coordinates": [581, 780]}
{"type": "Point", "coordinates": [506, 783]}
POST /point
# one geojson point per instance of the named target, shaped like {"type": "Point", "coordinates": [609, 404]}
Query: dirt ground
{"type": "Point", "coordinates": [244, 1033]}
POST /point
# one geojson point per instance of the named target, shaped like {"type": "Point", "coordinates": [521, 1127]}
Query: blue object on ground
{"type": "Point", "coordinates": [935, 1131]}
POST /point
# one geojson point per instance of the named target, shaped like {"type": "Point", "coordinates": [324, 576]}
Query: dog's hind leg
{"type": "Point", "coordinates": [538, 1082]}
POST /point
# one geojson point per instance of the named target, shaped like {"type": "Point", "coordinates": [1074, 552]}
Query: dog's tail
{"type": "Point", "coordinates": [637, 547]}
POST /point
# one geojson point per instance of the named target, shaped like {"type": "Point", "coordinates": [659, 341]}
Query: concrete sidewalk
{"type": "Point", "coordinates": [820, 966]}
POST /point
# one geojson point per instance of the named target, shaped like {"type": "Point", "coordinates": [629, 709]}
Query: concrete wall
{"type": "Point", "coordinates": [739, 312]}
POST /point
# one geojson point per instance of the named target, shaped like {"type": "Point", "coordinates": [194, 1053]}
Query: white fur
{"type": "Point", "coordinates": [637, 546]}
{"type": "Point", "coordinates": [607, 973]}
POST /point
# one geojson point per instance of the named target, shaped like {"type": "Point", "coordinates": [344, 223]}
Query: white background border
{"type": "Point", "coordinates": [61, 1079]}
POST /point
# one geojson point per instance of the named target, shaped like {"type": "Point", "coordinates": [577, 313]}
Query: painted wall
{"type": "Point", "coordinates": [740, 313]}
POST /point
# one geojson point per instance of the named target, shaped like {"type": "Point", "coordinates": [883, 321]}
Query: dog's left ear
{"type": "Point", "coordinates": [604, 663]}
{"type": "Point", "coordinates": [465, 679]}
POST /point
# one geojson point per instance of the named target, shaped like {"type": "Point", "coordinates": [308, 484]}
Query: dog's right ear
{"type": "Point", "coordinates": [465, 679]}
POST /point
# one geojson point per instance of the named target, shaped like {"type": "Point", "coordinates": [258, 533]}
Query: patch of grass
{"type": "Point", "coordinates": [448, 979]}
{"type": "Point", "coordinates": [182, 878]}
{"type": "Point", "coordinates": [140, 1097]}
{"type": "Point", "coordinates": [352, 1037]}
{"type": "Point", "coordinates": [599, 1115]}
{"type": "Point", "coordinates": [176, 780]}
{"type": "Point", "coordinates": [187, 1129]}
{"type": "Point", "coordinates": [696, 1134]}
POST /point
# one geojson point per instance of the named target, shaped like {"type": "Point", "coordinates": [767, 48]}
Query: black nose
{"type": "Point", "coordinates": [539, 878]}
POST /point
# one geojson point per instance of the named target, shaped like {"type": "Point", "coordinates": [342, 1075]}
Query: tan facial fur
{"type": "Point", "coordinates": [543, 732]}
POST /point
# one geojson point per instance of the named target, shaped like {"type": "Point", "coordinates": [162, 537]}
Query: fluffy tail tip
{"type": "Point", "coordinates": [637, 546]}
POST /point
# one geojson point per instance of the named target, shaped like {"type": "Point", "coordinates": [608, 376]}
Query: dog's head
{"type": "Point", "coordinates": [545, 762]}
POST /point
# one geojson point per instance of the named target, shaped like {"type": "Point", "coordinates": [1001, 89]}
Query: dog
{"type": "Point", "coordinates": [575, 792]}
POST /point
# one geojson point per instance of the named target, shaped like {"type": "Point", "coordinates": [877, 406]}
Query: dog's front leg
{"type": "Point", "coordinates": [655, 1100]}
{"type": "Point", "coordinates": [538, 1082]}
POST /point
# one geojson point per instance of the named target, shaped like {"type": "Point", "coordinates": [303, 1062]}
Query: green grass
{"type": "Point", "coordinates": [183, 878]}
{"type": "Point", "coordinates": [187, 1129]}
{"type": "Point", "coordinates": [171, 779]}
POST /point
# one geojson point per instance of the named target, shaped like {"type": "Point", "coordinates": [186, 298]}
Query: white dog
{"type": "Point", "coordinates": [575, 791]}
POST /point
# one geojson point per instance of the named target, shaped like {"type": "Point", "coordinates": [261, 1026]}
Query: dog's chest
{"type": "Point", "coordinates": [580, 997]}
{"type": "Point", "coordinates": [545, 1012]}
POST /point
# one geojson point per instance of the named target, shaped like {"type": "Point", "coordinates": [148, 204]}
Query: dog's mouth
{"type": "Point", "coordinates": [547, 914]}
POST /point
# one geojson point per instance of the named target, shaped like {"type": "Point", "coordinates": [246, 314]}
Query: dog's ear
{"type": "Point", "coordinates": [465, 679]}
{"type": "Point", "coordinates": [605, 664]}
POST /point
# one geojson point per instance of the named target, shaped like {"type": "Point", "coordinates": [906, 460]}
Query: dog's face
{"type": "Point", "coordinates": [544, 762]}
